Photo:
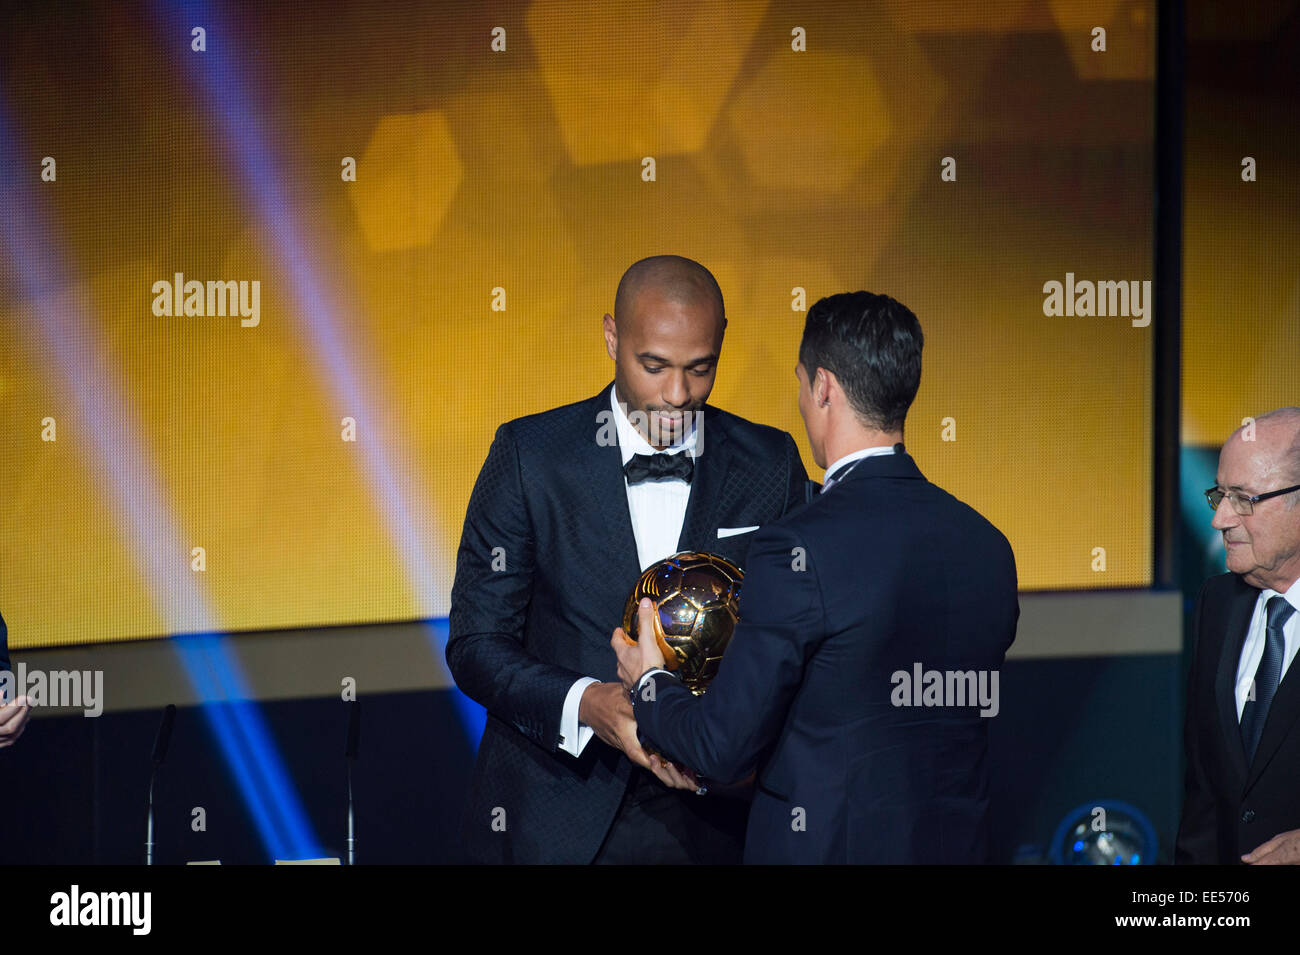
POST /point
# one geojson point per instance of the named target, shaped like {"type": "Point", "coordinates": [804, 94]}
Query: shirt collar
{"type": "Point", "coordinates": [1292, 595]}
{"type": "Point", "coordinates": [630, 441]}
{"type": "Point", "coordinates": [855, 456]}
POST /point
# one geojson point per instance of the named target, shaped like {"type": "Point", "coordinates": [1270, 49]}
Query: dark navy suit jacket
{"type": "Point", "coordinates": [1230, 806]}
{"type": "Point", "coordinates": [4, 645]}
{"type": "Point", "coordinates": [529, 619]}
{"type": "Point", "coordinates": [881, 571]}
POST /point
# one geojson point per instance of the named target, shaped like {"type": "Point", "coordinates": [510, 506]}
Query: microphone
{"type": "Point", "coordinates": [160, 744]}
{"type": "Point", "coordinates": [164, 738]}
{"type": "Point", "coordinates": [350, 753]}
{"type": "Point", "coordinates": [354, 729]}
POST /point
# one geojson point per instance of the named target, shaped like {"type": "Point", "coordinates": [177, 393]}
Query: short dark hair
{"type": "Point", "coordinates": [872, 344]}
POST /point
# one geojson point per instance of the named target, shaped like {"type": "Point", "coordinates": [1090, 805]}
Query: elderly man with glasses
{"type": "Point", "coordinates": [1242, 732]}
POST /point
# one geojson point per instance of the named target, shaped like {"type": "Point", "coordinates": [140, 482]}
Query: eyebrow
{"type": "Point", "coordinates": [648, 356]}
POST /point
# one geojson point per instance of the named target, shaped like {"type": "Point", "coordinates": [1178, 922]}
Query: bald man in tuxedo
{"type": "Point", "coordinates": [570, 507]}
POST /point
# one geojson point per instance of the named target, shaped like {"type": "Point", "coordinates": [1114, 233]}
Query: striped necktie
{"type": "Point", "coordinates": [1267, 676]}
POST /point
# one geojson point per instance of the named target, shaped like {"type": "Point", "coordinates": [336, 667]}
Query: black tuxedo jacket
{"type": "Point", "coordinates": [880, 572]}
{"type": "Point", "coordinates": [1230, 807]}
{"type": "Point", "coordinates": [4, 645]}
{"type": "Point", "coordinates": [546, 561]}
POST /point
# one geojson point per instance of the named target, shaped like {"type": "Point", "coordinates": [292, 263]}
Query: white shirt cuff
{"type": "Point", "coordinates": [574, 736]}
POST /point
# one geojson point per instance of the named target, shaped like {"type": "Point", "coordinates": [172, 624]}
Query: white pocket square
{"type": "Point", "coordinates": [733, 531]}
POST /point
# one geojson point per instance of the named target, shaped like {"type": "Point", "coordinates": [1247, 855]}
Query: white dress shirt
{"type": "Point", "coordinates": [658, 510]}
{"type": "Point", "coordinates": [1252, 651]}
{"type": "Point", "coordinates": [831, 472]}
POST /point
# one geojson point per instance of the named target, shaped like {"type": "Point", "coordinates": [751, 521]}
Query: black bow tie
{"type": "Point", "coordinates": [659, 467]}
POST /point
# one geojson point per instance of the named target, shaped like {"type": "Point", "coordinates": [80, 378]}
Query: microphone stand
{"type": "Point", "coordinates": [160, 744]}
{"type": "Point", "coordinates": [350, 753]}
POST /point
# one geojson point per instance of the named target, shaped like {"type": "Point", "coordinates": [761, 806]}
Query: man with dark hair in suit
{"type": "Point", "coordinates": [1241, 797]}
{"type": "Point", "coordinates": [881, 580]}
{"type": "Point", "coordinates": [13, 713]}
{"type": "Point", "coordinates": [570, 506]}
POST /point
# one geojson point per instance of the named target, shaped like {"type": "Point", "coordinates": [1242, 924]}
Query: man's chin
{"type": "Point", "coordinates": [1248, 573]}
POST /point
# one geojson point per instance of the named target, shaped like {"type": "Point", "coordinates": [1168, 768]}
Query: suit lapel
{"type": "Point", "coordinates": [603, 469]}
{"type": "Point", "coordinates": [1235, 626]}
{"type": "Point", "coordinates": [604, 464]}
{"type": "Point", "coordinates": [700, 526]}
{"type": "Point", "coordinates": [1282, 715]}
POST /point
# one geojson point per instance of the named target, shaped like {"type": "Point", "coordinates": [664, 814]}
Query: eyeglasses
{"type": "Point", "coordinates": [1241, 503]}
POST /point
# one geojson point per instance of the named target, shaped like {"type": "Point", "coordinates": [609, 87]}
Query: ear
{"type": "Point", "coordinates": [822, 386]}
{"type": "Point", "coordinates": [611, 337]}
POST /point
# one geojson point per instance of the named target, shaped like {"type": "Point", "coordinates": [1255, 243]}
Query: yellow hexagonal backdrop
{"type": "Point", "coordinates": [957, 157]}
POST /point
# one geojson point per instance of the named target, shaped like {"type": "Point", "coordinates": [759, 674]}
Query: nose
{"type": "Point", "coordinates": [677, 392]}
{"type": "Point", "coordinates": [1225, 517]}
